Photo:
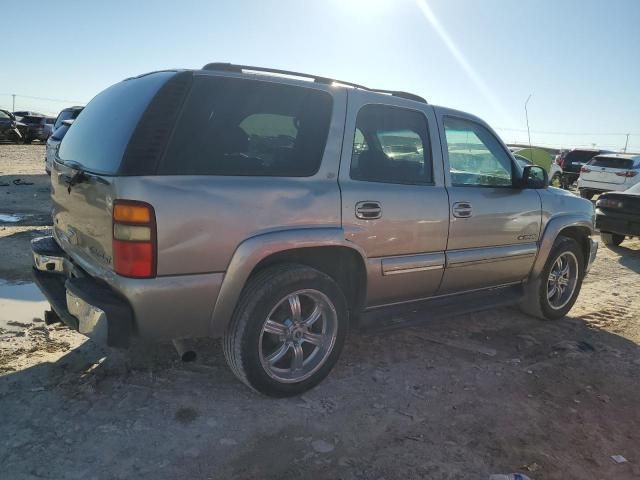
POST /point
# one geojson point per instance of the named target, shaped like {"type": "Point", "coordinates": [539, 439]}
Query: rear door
{"type": "Point", "coordinates": [394, 204]}
{"type": "Point", "coordinates": [494, 225]}
{"type": "Point", "coordinates": [608, 170]}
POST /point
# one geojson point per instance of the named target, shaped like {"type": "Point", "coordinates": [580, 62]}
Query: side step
{"type": "Point", "coordinates": [414, 313]}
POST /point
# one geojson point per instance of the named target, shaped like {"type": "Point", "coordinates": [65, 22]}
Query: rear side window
{"type": "Point", "coordinates": [99, 136]}
{"type": "Point", "coordinates": [612, 162]}
{"type": "Point", "coordinates": [248, 127]}
{"type": "Point", "coordinates": [391, 145]}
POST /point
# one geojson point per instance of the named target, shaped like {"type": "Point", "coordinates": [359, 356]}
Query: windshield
{"type": "Point", "coordinates": [4, 115]}
{"type": "Point", "coordinates": [100, 135]}
{"type": "Point", "coordinates": [31, 119]}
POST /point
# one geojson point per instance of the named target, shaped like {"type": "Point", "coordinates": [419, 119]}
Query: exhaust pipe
{"type": "Point", "coordinates": [185, 353]}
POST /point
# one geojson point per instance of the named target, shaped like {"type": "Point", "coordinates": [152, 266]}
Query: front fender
{"type": "Point", "coordinates": [553, 228]}
{"type": "Point", "coordinates": [251, 251]}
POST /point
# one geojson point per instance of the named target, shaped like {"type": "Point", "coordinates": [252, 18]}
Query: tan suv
{"type": "Point", "coordinates": [277, 210]}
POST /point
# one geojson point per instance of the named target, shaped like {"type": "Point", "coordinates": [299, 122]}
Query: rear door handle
{"type": "Point", "coordinates": [368, 210]}
{"type": "Point", "coordinates": [462, 210]}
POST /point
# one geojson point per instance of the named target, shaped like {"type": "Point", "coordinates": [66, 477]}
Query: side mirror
{"type": "Point", "coordinates": [534, 176]}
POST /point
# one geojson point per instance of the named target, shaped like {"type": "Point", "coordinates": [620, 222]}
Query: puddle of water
{"type": "Point", "coordinates": [20, 302]}
{"type": "Point", "coordinates": [10, 218]}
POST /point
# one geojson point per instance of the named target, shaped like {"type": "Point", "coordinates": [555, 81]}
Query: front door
{"type": "Point", "coordinates": [394, 204]}
{"type": "Point", "coordinates": [494, 225]}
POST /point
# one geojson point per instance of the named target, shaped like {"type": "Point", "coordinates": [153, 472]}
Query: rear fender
{"type": "Point", "coordinates": [251, 251]}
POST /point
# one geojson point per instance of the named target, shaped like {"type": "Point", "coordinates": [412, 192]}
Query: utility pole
{"type": "Point", "coordinates": [14, 103]}
{"type": "Point", "coordinates": [626, 143]}
{"type": "Point", "coordinates": [526, 113]}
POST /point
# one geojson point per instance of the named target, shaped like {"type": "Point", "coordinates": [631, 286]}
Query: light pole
{"type": "Point", "coordinates": [13, 108]}
{"type": "Point", "coordinates": [526, 114]}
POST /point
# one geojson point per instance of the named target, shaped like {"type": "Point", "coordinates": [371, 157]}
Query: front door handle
{"type": "Point", "coordinates": [368, 210]}
{"type": "Point", "coordinates": [462, 210]}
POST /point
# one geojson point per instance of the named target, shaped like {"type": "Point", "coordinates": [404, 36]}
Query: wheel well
{"type": "Point", "coordinates": [343, 264]}
{"type": "Point", "coordinates": [582, 236]}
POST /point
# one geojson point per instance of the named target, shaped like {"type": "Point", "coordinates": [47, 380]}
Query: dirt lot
{"type": "Point", "coordinates": [455, 398]}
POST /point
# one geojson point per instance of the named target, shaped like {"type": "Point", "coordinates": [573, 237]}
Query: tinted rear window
{"type": "Point", "coordinates": [610, 162]}
{"type": "Point", "coordinates": [32, 120]}
{"type": "Point", "coordinates": [66, 115]}
{"type": "Point", "coordinates": [249, 127]}
{"type": "Point", "coordinates": [101, 134]}
{"type": "Point", "coordinates": [579, 156]}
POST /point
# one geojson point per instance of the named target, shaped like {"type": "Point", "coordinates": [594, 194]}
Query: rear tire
{"type": "Point", "coordinates": [586, 194]}
{"type": "Point", "coordinates": [611, 239]}
{"type": "Point", "coordinates": [541, 300]}
{"type": "Point", "coordinates": [273, 343]}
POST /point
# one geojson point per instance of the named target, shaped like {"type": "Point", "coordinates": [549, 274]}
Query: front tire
{"type": "Point", "coordinates": [287, 331]}
{"type": "Point", "coordinates": [554, 293]}
{"type": "Point", "coordinates": [611, 239]}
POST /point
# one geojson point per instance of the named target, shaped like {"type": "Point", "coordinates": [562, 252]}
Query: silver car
{"type": "Point", "coordinates": [279, 210]}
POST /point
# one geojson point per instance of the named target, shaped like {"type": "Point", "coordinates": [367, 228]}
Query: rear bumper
{"type": "Point", "coordinates": [113, 309]}
{"type": "Point", "coordinates": [621, 223]}
{"type": "Point", "coordinates": [83, 303]}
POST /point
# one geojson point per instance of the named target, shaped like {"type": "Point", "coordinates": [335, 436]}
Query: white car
{"type": "Point", "coordinates": [555, 171]}
{"type": "Point", "coordinates": [611, 172]}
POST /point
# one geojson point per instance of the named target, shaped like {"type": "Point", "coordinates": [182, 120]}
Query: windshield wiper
{"type": "Point", "coordinates": [79, 177]}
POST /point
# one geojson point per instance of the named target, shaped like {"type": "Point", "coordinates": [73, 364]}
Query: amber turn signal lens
{"type": "Point", "coordinates": [128, 213]}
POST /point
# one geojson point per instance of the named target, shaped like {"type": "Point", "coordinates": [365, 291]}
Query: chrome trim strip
{"type": "Point", "coordinates": [474, 256]}
{"type": "Point", "coordinates": [413, 263]}
{"type": "Point", "coordinates": [417, 269]}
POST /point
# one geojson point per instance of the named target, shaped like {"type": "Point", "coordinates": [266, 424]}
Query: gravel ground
{"type": "Point", "coordinates": [456, 398]}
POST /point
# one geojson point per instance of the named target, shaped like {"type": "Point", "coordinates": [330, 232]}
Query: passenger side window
{"type": "Point", "coordinates": [251, 128]}
{"type": "Point", "coordinates": [476, 157]}
{"type": "Point", "coordinates": [391, 145]}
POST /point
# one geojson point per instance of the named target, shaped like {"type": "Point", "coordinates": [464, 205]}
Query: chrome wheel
{"type": "Point", "coordinates": [298, 336]}
{"type": "Point", "coordinates": [562, 280]}
{"type": "Point", "coordinates": [556, 181]}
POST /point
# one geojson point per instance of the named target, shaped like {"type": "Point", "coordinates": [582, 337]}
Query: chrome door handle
{"type": "Point", "coordinates": [462, 210]}
{"type": "Point", "coordinates": [368, 210]}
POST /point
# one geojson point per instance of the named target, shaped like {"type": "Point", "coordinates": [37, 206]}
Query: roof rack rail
{"type": "Point", "coordinates": [230, 67]}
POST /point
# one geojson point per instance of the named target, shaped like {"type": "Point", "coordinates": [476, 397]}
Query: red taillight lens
{"type": "Point", "coordinates": [133, 259]}
{"type": "Point", "coordinates": [134, 239]}
{"type": "Point", "coordinates": [628, 173]}
{"type": "Point", "coordinates": [585, 169]}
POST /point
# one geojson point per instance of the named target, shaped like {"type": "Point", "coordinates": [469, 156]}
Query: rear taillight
{"type": "Point", "coordinates": [585, 169]}
{"type": "Point", "coordinates": [628, 173]}
{"type": "Point", "coordinates": [134, 239]}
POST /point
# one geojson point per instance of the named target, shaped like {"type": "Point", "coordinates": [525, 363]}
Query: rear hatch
{"type": "Point", "coordinates": [611, 170]}
{"type": "Point", "coordinates": [103, 144]}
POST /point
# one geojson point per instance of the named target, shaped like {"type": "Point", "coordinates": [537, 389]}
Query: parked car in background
{"type": "Point", "coordinates": [38, 128]}
{"type": "Point", "coordinates": [618, 215]}
{"type": "Point", "coordinates": [53, 143]}
{"type": "Point", "coordinates": [28, 113]}
{"type": "Point", "coordinates": [555, 172]}
{"type": "Point", "coordinates": [295, 211]}
{"type": "Point", "coordinates": [610, 172]}
{"type": "Point", "coordinates": [572, 161]}
{"type": "Point", "coordinates": [70, 113]}
{"type": "Point", "coordinates": [10, 128]}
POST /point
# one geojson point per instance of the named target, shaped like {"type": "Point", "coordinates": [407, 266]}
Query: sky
{"type": "Point", "coordinates": [578, 59]}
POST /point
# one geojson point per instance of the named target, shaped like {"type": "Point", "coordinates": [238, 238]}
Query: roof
{"type": "Point", "coordinates": [229, 67]}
